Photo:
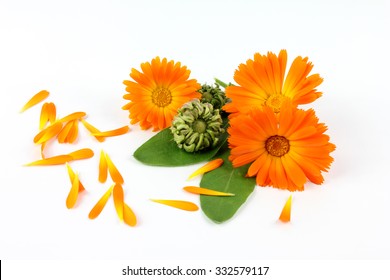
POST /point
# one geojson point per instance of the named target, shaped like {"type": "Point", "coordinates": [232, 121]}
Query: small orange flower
{"type": "Point", "coordinates": [284, 151]}
{"type": "Point", "coordinates": [157, 92]}
{"type": "Point", "coordinates": [262, 81]}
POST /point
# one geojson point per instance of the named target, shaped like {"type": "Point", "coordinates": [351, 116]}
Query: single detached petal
{"type": "Point", "coordinates": [52, 112]}
{"type": "Point", "coordinates": [60, 159]}
{"type": "Point", "coordinates": [114, 132]}
{"type": "Point", "coordinates": [114, 173]}
{"type": "Point", "coordinates": [207, 167]}
{"type": "Point", "coordinates": [40, 96]}
{"type": "Point", "coordinates": [81, 154]}
{"type": "Point", "coordinates": [102, 167]}
{"type": "Point", "coordinates": [44, 117]}
{"type": "Point", "coordinates": [204, 191]}
{"type": "Point", "coordinates": [73, 116]}
{"type": "Point", "coordinates": [73, 193]}
{"type": "Point", "coordinates": [92, 130]}
{"type": "Point", "coordinates": [118, 200]}
{"type": "Point", "coordinates": [71, 177]}
{"type": "Point", "coordinates": [286, 212]}
{"type": "Point", "coordinates": [63, 135]}
{"type": "Point", "coordinates": [43, 145]}
{"type": "Point", "coordinates": [128, 216]}
{"type": "Point", "coordinates": [97, 209]}
{"type": "Point", "coordinates": [48, 133]}
{"type": "Point", "coordinates": [73, 132]}
{"type": "Point", "coordinates": [180, 204]}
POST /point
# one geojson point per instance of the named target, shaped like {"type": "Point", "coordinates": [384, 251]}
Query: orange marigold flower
{"type": "Point", "coordinates": [284, 151]}
{"type": "Point", "coordinates": [261, 82]}
{"type": "Point", "coordinates": [157, 92]}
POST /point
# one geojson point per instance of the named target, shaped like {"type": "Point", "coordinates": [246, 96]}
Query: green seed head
{"type": "Point", "coordinates": [213, 95]}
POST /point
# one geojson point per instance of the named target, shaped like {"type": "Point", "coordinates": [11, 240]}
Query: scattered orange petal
{"type": "Point", "coordinates": [118, 200]}
{"type": "Point", "coordinates": [48, 133]}
{"type": "Point", "coordinates": [102, 167]}
{"type": "Point", "coordinates": [73, 193]}
{"type": "Point", "coordinates": [73, 132]}
{"type": "Point", "coordinates": [81, 154]}
{"type": "Point", "coordinates": [63, 135]}
{"type": "Point", "coordinates": [60, 159]}
{"type": "Point", "coordinates": [71, 177]}
{"type": "Point", "coordinates": [40, 96]}
{"type": "Point", "coordinates": [73, 116]}
{"type": "Point", "coordinates": [286, 212]}
{"type": "Point", "coordinates": [97, 209]}
{"type": "Point", "coordinates": [52, 111]}
{"type": "Point", "coordinates": [43, 145]}
{"type": "Point", "coordinates": [180, 204]}
{"type": "Point", "coordinates": [114, 132]}
{"type": "Point", "coordinates": [207, 167]}
{"type": "Point", "coordinates": [114, 173]}
{"type": "Point", "coordinates": [44, 116]}
{"type": "Point", "coordinates": [92, 130]}
{"type": "Point", "coordinates": [128, 216]}
{"type": "Point", "coordinates": [204, 191]}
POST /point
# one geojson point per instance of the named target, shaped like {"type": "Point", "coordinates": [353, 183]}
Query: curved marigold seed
{"type": "Point", "coordinates": [211, 165]}
{"type": "Point", "coordinates": [40, 96]}
{"type": "Point", "coordinates": [44, 117]}
{"type": "Point", "coordinates": [180, 204]}
{"type": "Point", "coordinates": [285, 215]}
{"type": "Point", "coordinates": [71, 177]}
{"type": "Point", "coordinates": [102, 167]}
{"type": "Point", "coordinates": [128, 216]}
{"type": "Point", "coordinates": [81, 154]}
{"type": "Point", "coordinates": [98, 208]}
{"type": "Point", "coordinates": [92, 130]}
{"type": "Point", "coordinates": [118, 200]}
{"type": "Point", "coordinates": [73, 193]}
{"type": "Point", "coordinates": [48, 133]}
{"type": "Point", "coordinates": [111, 133]}
{"type": "Point", "coordinates": [60, 159]}
{"type": "Point", "coordinates": [204, 191]}
{"type": "Point", "coordinates": [114, 173]}
{"type": "Point", "coordinates": [73, 116]}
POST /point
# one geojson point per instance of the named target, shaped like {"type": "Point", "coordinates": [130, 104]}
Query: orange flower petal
{"type": "Point", "coordinates": [60, 159]}
{"type": "Point", "coordinates": [63, 135]}
{"type": "Point", "coordinates": [73, 116]}
{"type": "Point", "coordinates": [73, 132]}
{"type": "Point", "coordinates": [43, 145]}
{"type": "Point", "coordinates": [114, 132]}
{"type": "Point", "coordinates": [52, 111]}
{"type": "Point", "coordinates": [92, 130]}
{"type": "Point", "coordinates": [118, 200]}
{"type": "Point", "coordinates": [97, 209]}
{"type": "Point", "coordinates": [73, 193]}
{"type": "Point", "coordinates": [44, 116]}
{"type": "Point", "coordinates": [286, 212]}
{"type": "Point", "coordinates": [207, 167]}
{"type": "Point", "coordinates": [128, 216]}
{"type": "Point", "coordinates": [71, 177]}
{"type": "Point", "coordinates": [204, 191]}
{"type": "Point", "coordinates": [48, 133]}
{"type": "Point", "coordinates": [40, 96]}
{"type": "Point", "coordinates": [102, 167]}
{"type": "Point", "coordinates": [114, 173]}
{"type": "Point", "coordinates": [81, 154]}
{"type": "Point", "coordinates": [180, 204]}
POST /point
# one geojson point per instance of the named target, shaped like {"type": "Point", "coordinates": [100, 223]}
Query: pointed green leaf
{"type": "Point", "coordinates": [225, 179]}
{"type": "Point", "coordinates": [161, 150]}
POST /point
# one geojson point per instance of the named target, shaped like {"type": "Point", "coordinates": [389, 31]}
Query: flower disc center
{"type": "Point", "coordinates": [161, 96]}
{"type": "Point", "coordinates": [199, 126]}
{"type": "Point", "coordinates": [275, 102]}
{"type": "Point", "coordinates": [277, 145]}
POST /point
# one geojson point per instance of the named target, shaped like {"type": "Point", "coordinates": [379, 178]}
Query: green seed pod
{"type": "Point", "coordinates": [213, 95]}
{"type": "Point", "coordinates": [197, 126]}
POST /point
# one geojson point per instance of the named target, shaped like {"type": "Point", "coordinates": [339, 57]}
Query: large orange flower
{"type": "Point", "coordinates": [284, 151]}
{"type": "Point", "coordinates": [261, 82]}
{"type": "Point", "coordinates": [157, 92]}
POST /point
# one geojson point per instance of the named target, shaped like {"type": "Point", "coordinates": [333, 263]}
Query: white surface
{"type": "Point", "coordinates": [81, 51]}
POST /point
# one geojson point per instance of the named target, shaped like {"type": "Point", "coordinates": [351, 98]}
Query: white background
{"type": "Point", "coordinates": [81, 51]}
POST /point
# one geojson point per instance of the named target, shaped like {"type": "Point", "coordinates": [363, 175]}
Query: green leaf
{"type": "Point", "coordinates": [225, 179]}
{"type": "Point", "coordinates": [161, 150]}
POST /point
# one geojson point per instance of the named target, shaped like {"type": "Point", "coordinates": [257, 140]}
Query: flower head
{"type": "Point", "coordinates": [157, 92]}
{"type": "Point", "coordinates": [284, 151]}
{"type": "Point", "coordinates": [262, 81]}
{"type": "Point", "coordinates": [213, 95]}
{"type": "Point", "coordinates": [197, 126]}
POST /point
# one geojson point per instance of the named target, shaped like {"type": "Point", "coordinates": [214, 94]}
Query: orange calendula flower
{"type": "Point", "coordinates": [285, 215]}
{"type": "Point", "coordinates": [158, 92]}
{"type": "Point", "coordinates": [211, 165]}
{"type": "Point", "coordinates": [262, 81]}
{"type": "Point", "coordinates": [284, 151]}
{"type": "Point", "coordinates": [180, 204]}
{"type": "Point", "coordinates": [40, 96]}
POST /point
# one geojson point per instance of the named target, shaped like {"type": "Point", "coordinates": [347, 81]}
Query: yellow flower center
{"type": "Point", "coordinates": [161, 96]}
{"type": "Point", "coordinates": [277, 145]}
{"type": "Point", "coordinates": [275, 102]}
